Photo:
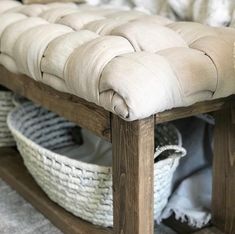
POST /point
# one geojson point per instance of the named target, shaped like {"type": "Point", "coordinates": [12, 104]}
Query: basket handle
{"type": "Point", "coordinates": [178, 149]}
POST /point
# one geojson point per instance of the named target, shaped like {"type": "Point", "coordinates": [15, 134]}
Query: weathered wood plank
{"type": "Point", "coordinates": [133, 150]}
{"type": "Point", "coordinates": [85, 114]}
{"type": "Point", "coordinates": [15, 174]}
{"type": "Point", "coordinates": [198, 108]}
{"type": "Point", "coordinates": [223, 199]}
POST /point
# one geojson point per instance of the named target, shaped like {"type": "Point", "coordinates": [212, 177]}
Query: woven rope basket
{"type": "Point", "coordinates": [82, 188]}
{"type": "Point", "coordinates": [6, 106]}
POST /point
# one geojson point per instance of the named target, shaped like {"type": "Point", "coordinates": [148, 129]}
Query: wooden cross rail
{"type": "Point", "coordinates": [133, 151]}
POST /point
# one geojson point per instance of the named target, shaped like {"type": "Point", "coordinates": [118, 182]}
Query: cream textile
{"type": "Point", "coordinates": [210, 12]}
{"type": "Point", "coordinates": [128, 62]}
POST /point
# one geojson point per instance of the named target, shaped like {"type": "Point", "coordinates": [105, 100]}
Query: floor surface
{"type": "Point", "coordinates": [17, 216]}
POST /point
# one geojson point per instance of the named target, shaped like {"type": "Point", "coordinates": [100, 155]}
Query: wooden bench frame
{"type": "Point", "coordinates": [133, 150]}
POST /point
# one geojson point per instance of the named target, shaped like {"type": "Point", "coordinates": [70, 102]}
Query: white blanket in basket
{"type": "Point", "coordinates": [93, 150]}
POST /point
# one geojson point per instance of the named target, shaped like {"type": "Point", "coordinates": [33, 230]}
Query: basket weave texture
{"type": "Point", "coordinates": [82, 188]}
{"type": "Point", "coordinates": [6, 106]}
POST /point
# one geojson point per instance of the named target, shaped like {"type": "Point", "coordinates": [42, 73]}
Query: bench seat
{"type": "Point", "coordinates": [131, 63]}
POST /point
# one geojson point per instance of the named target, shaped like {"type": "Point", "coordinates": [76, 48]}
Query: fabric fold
{"type": "Point", "coordinates": [191, 201]}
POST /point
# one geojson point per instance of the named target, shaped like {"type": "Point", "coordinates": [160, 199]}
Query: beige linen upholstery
{"type": "Point", "coordinates": [131, 63]}
{"type": "Point", "coordinates": [6, 5]}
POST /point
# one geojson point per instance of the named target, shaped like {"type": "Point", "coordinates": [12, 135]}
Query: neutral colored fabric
{"type": "Point", "coordinates": [6, 5]}
{"type": "Point", "coordinates": [131, 63]}
{"type": "Point", "coordinates": [210, 12]}
{"type": "Point", "coordinates": [47, 1]}
{"type": "Point", "coordinates": [191, 202]}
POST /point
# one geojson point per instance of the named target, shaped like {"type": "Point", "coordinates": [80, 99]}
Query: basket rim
{"type": "Point", "coordinates": [70, 162]}
{"type": "Point", "coordinates": [62, 158]}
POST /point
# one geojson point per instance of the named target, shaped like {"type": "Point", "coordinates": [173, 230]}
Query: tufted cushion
{"type": "Point", "coordinates": [128, 62]}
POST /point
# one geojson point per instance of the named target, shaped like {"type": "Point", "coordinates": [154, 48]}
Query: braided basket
{"type": "Point", "coordinates": [84, 189]}
{"type": "Point", "coordinates": [6, 106]}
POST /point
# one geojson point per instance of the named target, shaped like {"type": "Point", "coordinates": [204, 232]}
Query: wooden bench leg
{"type": "Point", "coordinates": [133, 149]}
{"type": "Point", "coordinates": [223, 199]}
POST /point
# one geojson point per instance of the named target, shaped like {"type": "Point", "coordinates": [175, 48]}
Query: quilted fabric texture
{"type": "Point", "coordinates": [128, 62]}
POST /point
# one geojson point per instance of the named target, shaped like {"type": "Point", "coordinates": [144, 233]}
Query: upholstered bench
{"type": "Point", "coordinates": [87, 62]}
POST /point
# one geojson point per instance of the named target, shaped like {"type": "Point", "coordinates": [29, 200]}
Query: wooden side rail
{"type": "Point", "coordinates": [86, 114]}
{"type": "Point", "coordinates": [196, 109]}
{"type": "Point", "coordinates": [75, 109]}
